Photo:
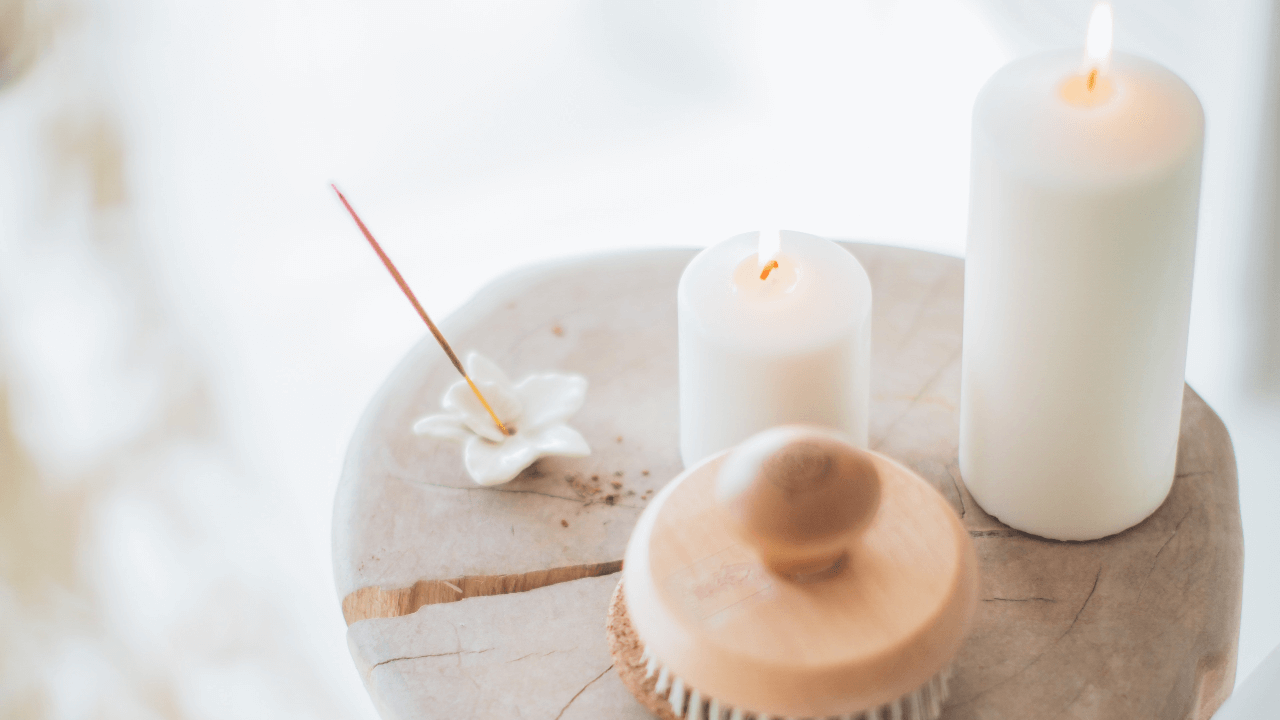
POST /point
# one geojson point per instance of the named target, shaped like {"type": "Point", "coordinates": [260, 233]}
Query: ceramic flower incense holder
{"type": "Point", "coordinates": [534, 411]}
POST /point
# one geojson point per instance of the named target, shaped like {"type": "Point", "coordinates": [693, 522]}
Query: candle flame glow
{"type": "Point", "coordinates": [1097, 45]}
{"type": "Point", "coordinates": [770, 242]}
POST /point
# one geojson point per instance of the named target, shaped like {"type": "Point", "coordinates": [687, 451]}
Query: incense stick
{"type": "Point", "coordinates": [404, 286]}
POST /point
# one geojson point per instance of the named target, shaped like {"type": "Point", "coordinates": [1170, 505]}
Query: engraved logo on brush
{"type": "Point", "coordinates": [726, 579]}
{"type": "Point", "coordinates": [718, 582]}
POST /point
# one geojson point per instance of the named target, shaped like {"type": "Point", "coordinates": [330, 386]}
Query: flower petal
{"type": "Point", "coordinates": [447, 427]}
{"type": "Point", "coordinates": [461, 401]}
{"type": "Point", "coordinates": [490, 463]}
{"type": "Point", "coordinates": [482, 369]}
{"type": "Point", "coordinates": [560, 439]}
{"type": "Point", "coordinates": [550, 398]}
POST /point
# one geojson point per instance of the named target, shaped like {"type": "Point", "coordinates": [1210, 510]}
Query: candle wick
{"type": "Point", "coordinates": [768, 268]}
{"type": "Point", "coordinates": [1093, 79]}
{"type": "Point", "coordinates": [404, 286]}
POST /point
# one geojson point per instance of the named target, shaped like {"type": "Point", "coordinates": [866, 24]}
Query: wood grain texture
{"type": "Point", "coordinates": [1141, 624]}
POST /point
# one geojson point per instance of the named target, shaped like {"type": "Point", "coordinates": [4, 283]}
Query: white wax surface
{"type": "Point", "coordinates": [1077, 293]}
{"type": "Point", "coordinates": [794, 348]}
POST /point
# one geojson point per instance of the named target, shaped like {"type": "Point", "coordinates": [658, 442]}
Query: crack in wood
{"type": "Point", "coordinates": [1165, 544]}
{"type": "Point", "coordinates": [924, 389]}
{"type": "Point", "coordinates": [1067, 706]}
{"type": "Point", "coordinates": [994, 533]}
{"type": "Point", "coordinates": [1049, 647]}
{"type": "Point", "coordinates": [376, 602]}
{"type": "Point", "coordinates": [927, 304]}
{"type": "Point", "coordinates": [584, 689]}
{"type": "Point", "coordinates": [956, 486]}
{"type": "Point", "coordinates": [1083, 605]}
{"type": "Point", "coordinates": [458, 653]}
{"type": "Point", "coordinates": [549, 653]}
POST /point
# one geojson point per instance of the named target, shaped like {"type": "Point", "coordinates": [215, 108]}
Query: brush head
{"type": "Point", "coordinates": [670, 698]}
{"type": "Point", "coordinates": [716, 605]}
{"type": "Point", "coordinates": [630, 660]}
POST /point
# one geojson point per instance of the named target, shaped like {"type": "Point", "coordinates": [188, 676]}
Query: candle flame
{"type": "Point", "coordinates": [1097, 45]}
{"type": "Point", "coordinates": [770, 242]}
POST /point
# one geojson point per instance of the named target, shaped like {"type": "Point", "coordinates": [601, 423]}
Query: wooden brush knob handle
{"type": "Point", "coordinates": [798, 495]}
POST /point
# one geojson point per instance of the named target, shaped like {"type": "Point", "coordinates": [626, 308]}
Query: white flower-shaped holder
{"type": "Point", "coordinates": [535, 409]}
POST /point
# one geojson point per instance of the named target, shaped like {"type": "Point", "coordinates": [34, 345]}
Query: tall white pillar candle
{"type": "Point", "coordinates": [791, 348]}
{"type": "Point", "coordinates": [1082, 235]}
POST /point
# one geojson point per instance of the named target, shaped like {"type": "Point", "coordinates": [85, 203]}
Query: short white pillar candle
{"type": "Point", "coordinates": [1082, 230]}
{"type": "Point", "coordinates": [791, 348]}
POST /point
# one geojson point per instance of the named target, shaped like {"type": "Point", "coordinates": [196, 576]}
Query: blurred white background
{"type": "Point", "coordinates": [190, 326]}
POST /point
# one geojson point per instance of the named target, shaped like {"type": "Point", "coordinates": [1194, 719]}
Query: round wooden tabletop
{"type": "Point", "coordinates": [489, 602]}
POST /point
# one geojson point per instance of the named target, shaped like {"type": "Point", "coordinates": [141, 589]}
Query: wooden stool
{"type": "Point", "coordinates": [1143, 624]}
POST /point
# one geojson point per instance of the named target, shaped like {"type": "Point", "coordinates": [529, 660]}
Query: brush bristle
{"type": "Point", "coordinates": [925, 703]}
